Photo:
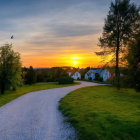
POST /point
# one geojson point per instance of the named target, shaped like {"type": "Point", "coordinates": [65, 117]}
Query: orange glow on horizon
{"type": "Point", "coordinates": [74, 60]}
{"type": "Point", "coordinates": [78, 52]}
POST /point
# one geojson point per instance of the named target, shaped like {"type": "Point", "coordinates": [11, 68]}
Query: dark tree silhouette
{"type": "Point", "coordinates": [121, 25]}
{"type": "Point", "coordinates": [133, 59]}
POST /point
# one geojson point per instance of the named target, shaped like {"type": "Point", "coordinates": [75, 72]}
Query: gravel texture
{"type": "Point", "coordinates": [35, 116]}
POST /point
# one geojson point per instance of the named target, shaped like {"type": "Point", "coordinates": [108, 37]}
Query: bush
{"type": "Point", "coordinates": [90, 79]}
{"type": "Point", "coordinates": [65, 80]}
{"type": "Point", "coordinates": [98, 78]}
{"type": "Point", "coordinates": [126, 81]}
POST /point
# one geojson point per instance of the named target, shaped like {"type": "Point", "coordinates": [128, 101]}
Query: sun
{"type": "Point", "coordinates": [75, 62]}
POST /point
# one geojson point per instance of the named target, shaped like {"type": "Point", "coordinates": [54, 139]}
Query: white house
{"type": "Point", "coordinates": [105, 74]}
{"type": "Point", "coordinates": [86, 76]}
{"type": "Point", "coordinates": [90, 75]}
{"type": "Point", "coordinates": [76, 76]}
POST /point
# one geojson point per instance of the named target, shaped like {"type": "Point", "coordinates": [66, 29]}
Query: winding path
{"type": "Point", "coordinates": [35, 116]}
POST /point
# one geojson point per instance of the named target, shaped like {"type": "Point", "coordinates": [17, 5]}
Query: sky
{"type": "Point", "coordinates": [49, 33]}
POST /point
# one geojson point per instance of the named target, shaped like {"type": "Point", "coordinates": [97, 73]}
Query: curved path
{"type": "Point", "coordinates": [35, 116]}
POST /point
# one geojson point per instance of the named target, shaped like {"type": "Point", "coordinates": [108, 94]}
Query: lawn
{"type": "Point", "coordinates": [11, 95]}
{"type": "Point", "coordinates": [103, 113]}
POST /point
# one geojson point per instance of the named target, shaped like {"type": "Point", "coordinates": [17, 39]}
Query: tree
{"type": "Point", "coordinates": [30, 77]}
{"type": "Point", "coordinates": [133, 59]}
{"type": "Point", "coordinates": [121, 25]}
{"type": "Point", "coordinates": [10, 68]}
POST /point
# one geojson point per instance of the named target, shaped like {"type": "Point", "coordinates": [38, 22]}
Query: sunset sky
{"type": "Point", "coordinates": [51, 33]}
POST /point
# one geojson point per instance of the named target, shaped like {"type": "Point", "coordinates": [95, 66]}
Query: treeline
{"type": "Point", "coordinates": [31, 76]}
{"type": "Point", "coordinates": [13, 75]}
{"type": "Point", "coordinates": [34, 75]}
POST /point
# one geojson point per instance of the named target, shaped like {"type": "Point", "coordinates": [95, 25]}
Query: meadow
{"type": "Point", "coordinates": [103, 113]}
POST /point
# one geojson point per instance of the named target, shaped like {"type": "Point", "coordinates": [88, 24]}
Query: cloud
{"type": "Point", "coordinates": [73, 30]}
{"type": "Point", "coordinates": [52, 27]}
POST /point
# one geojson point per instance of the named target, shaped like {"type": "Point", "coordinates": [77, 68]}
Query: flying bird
{"type": "Point", "coordinates": [12, 37]}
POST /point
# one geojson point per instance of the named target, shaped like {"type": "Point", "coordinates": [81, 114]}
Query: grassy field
{"type": "Point", "coordinates": [11, 95]}
{"type": "Point", "coordinates": [103, 113]}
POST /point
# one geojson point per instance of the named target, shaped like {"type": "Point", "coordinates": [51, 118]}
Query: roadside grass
{"type": "Point", "coordinates": [99, 82]}
{"type": "Point", "coordinates": [11, 95]}
{"type": "Point", "coordinates": [103, 113]}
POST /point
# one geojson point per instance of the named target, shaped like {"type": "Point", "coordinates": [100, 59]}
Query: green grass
{"type": "Point", "coordinates": [11, 95]}
{"type": "Point", "coordinates": [99, 82]}
{"type": "Point", "coordinates": [103, 113]}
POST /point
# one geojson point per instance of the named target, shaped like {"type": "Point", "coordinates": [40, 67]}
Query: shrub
{"type": "Point", "coordinates": [98, 78]}
{"type": "Point", "coordinates": [65, 80]}
{"type": "Point", "coordinates": [127, 81]}
{"type": "Point", "coordinates": [90, 79]}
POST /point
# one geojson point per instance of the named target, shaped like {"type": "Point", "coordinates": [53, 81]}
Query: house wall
{"type": "Point", "coordinates": [76, 76]}
{"type": "Point", "coordinates": [105, 74]}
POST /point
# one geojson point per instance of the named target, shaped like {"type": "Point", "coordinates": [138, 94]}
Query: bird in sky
{"type": "Point", "coordinates": [12, 37]}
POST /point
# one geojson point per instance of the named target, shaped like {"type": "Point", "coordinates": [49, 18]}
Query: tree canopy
{"type": "Point", "coordinates": [121, 26]}
{"type": "Point", "coordinates": [10, 68]}
{"type": "Point", "coordinates": [133, 59]}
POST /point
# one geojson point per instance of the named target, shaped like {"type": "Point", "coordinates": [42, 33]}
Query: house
{"type": "Point", "coordinates": [105, 74]}
{"type": "Point", "coordinates": [76, 76]}
{"type": "Point", "coordinates": [90, 75]}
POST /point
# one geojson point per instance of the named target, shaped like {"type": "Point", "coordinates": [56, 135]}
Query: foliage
{"type": "Point", "coordinates": [83, 72]}
{"type": "Point", "coordinates": [121, 26]}
{"type": "Point", "coordinates": [30, 77]}
{"type": "Point", "coordinates": [133, 59]}
{"type": "Point", "coordinates": [98, 78]}
{"type": "Point", "coordinates": [43, 75]}
{"type": "Point", "coordinates": [10, 68]}
{"type": "Point", "coordinates": [65, 80]}
{"type": "Point", "coordinates": [103, 113]}
{"type": "Point", "coordinates": [127, 81]}
{"type": "Point", "coordinates": [47, 74]}
{"type": "Point", "coordinates": [11, 95]}
{"type": "Point", "coordinates": [57, 72]}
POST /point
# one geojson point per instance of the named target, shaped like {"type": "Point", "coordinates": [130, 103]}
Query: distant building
{"type": "Point", "coordinates": [105, 74]}
{"type": "Point", "coordinates": [76, 76]}
{"type": "Point", "coordinates": [90, 75]}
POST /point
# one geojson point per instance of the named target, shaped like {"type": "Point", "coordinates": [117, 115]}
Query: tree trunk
{"type": "Point", "coordinates": [117, 71]}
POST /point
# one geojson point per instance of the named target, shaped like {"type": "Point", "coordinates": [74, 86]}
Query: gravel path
{"type": "Point", "coordinates": [35, 116]}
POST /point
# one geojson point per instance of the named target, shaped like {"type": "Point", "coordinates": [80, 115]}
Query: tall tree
{"type": "Point", "coordinates": [133, 59]}
{"type": "Point", "coordinates": [10, 68]}
{"type": "Point", "coordinates": [121, 25]}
